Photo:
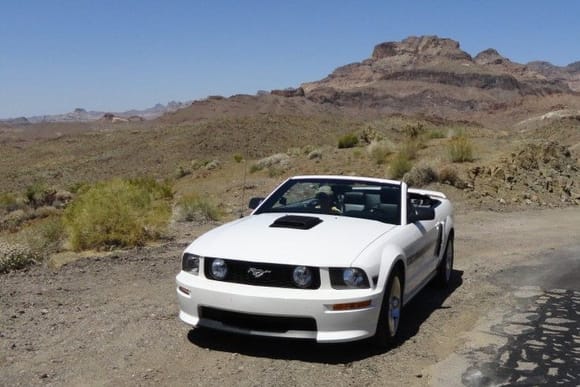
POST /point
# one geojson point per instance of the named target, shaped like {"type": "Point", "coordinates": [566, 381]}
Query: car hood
{"type": "Point", "coordinates": [335, 242]}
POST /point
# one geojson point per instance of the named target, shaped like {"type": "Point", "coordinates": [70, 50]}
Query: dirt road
{"type": "Point", "coordinates": [112, 320]}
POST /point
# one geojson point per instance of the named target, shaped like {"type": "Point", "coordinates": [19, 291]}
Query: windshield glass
{"type": "Point", "coordinates": [359, 199]}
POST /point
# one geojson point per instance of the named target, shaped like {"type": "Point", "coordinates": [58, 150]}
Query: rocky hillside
{"type": "Point", "coordinates": [432, 75]}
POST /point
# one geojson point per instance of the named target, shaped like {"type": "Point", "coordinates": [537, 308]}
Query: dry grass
{"type": "Point", "coordinates": [118, 213]}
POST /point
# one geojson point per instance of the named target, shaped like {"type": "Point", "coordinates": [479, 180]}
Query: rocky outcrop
{"type": "Point", "coordinates": [433, 75]}
{"type": "Point", "coordinates": [539, 174]}
{"type": "Point", "coordinates": [290, 92]}
{"type": "Point", "coordinates": [424, 47]}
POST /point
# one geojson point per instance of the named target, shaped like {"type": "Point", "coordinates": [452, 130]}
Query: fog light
{"type": "Point", "coordinates": [219, 269]}
{"type": "Point", "coordinates": [302, 277]}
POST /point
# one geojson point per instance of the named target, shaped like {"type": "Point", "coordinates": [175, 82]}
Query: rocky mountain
{"type": "Point", "coordinates": [432, 75]}
{"type": "Point", "coordinates": [569, 74]}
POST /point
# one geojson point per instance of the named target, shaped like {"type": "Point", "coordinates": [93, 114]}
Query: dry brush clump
{"type": "Point", "coordinates": [193, 207]}
{"type": "Point", "coordinates": [280, 161]}
{"type": "Point", "coordinates": [460, 149]}
{"type": "Point", "coordinates": [118, 213]}
{"type": "Point", "coordinates": [379, 151]}
{"type": "Point", "coordinates": [348, 141]}
{"type": "Point", "coordinates": [420, 176]}
{"type": "Point", "coordinates": [399, 165]}
{"type": "Point", "coordinates": [15, 256]}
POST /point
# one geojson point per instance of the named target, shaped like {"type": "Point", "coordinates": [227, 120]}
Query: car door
{"type": "Point", "coordinates": [421, 244]}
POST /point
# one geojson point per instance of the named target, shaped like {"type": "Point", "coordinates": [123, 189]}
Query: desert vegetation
{"type": "Point", "coordinates": [118, 213]}
{"type": "Point", "coordinates": [193, 207]}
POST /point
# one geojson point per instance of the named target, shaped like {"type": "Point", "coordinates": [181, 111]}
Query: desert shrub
{"type": "Point", "coordinates": [279, 160]}
{"type": "Point", "coordinates": [13, 220]}
{"type": "Point", "coordinates": [379, 150]}
{"type": "Point", "coordinates": [274, 171]}
{"type": "Point", "coordinates": [15, 256]}
{"type": "Point", "coordinates": [409, 149]}
{"type": "Point", "coordinates": [413, 131]}
{"type": "Point", "coordinates": [348, 141]}
{"type": "Point", "coordinates": [238, 158]}
{"type": "Point", "coordinates": [315, 154]}
{"type": "Point", "coordinates": [213, 164]}
{"type": "Point", "coordinates": [8, 203]}
{"type": "Point", "coordinates": [448, 175]}
{"type": "Point", "coordinates": [460, 149]}
{"type": "Point", "coordinates": [38, 195]}
{"type": "Point", "coordinates": [307, 149]}
{"type": "Point", "coordinates": [43, 237]}
{"type": "Point", "coordinates": [180, 172]}
{"type": "Point", "coordinates": [435, 133]}
{"type": "Point", "coordinates": [198, 164]}
{"type": "Point", "coordinates": [192, 207]}
{"type": "Point", "coordinates": [118, 213]}
{"type": "Point", "coordinates": [399, 165]}
{"type": "Point", "coordinates": [419, 176]}
{"type": "Point", "coordinates": [370, 135]}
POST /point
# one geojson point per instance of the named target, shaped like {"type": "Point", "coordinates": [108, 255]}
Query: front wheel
{"type": "Point", "coordinates": [391, 308]}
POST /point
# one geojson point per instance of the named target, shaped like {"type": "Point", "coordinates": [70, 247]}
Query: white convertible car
{"type": "Point", "coordinates": [329, 258]}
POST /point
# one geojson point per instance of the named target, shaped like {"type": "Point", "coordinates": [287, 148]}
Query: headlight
{"type": "Point", "coordinates": [219, 269]}
{"type": "Point", "coordinates": [190, 263]}
{"type": "Point", "coordinates": [348, 278]}
{"type": "Point", "coordinates": [302, 277]}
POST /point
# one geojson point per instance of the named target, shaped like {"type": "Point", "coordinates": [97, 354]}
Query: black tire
{"type": "Point", "coordinates": [391, 311]}
{"type": "Point", "coordinates": [445, 269]}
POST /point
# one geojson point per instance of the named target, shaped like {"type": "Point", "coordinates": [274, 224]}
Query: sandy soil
{"type": "Point", "coordinates": [113, 320]}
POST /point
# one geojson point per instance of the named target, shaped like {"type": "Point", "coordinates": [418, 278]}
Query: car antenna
{"type": "Point", "coordinates": [245, 172]}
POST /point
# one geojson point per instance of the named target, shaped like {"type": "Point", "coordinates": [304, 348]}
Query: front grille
{"type": "Point", "coordinates": [257, 322]}
{"type": "Point", "coordinates": [272, 275]}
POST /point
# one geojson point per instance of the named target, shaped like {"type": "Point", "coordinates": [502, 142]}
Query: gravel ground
{"type": "Point", "coordinates": [113, 320]}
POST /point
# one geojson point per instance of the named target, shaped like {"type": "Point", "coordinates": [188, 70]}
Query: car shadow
{"type": "Point", "coordinates": [415, 313]}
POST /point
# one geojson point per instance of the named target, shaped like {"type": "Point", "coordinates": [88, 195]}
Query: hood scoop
{"type": "Point", "coordinates": [297, 222]}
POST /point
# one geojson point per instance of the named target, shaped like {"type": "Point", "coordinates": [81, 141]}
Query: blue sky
{"type": "Point", "coordinates": [109, 55]}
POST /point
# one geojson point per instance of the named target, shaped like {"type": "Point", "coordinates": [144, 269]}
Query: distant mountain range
{"type": "Point", "coordinates": [82, 115]}
{"type": "Point", "coordinates": [425, 75]}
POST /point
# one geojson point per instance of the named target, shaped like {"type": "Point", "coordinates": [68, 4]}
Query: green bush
{"type": "Point", "coordinates": [348, 141]}
{"type": "Point", "coordinates": [435, 134]}
{"type": "Point", "coordinates": [400, 165]}
{"type": "Point", "coordinates": [8, 202]}
{"type": "Point", "coordinates": [192, 207]}
{"type": "Point", "coordinates": [460, 149]}
{"type": "Point", "coordinates": [118, 213]}
{"type": "Point", "coordinates": [238, 158]}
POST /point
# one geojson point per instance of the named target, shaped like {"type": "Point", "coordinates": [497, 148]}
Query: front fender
{"type": "Point", "coordinates": [390, 256]}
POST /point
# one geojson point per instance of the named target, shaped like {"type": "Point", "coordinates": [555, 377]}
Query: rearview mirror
{"type": "Point", "coordinates": [255, 202]}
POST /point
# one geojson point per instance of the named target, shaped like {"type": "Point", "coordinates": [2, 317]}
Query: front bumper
{"type": "Point", "coordinates": [331, 325]}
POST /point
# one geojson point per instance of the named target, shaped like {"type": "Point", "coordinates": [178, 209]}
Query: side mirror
{"type": "Point", "coordinates": [255, 202]}
{"type": "Point", "coordinates": [421, 213]}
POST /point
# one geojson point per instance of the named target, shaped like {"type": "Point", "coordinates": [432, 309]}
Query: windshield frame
{"type": "Point", "coordinates": [274, 203]}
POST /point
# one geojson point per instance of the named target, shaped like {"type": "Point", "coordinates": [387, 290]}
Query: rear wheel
{"type": "Point", "coordinates": [446, 266]}
{"type": "Point", "coordinates": [391, 308]}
